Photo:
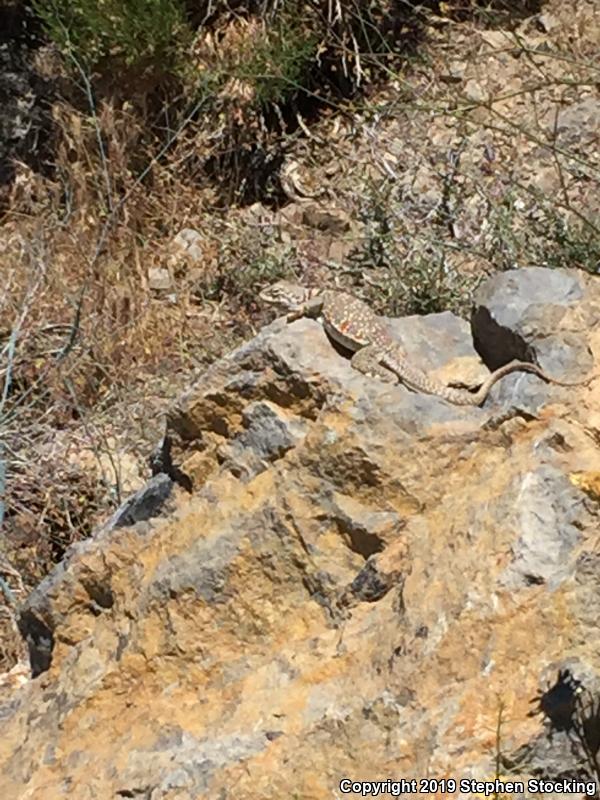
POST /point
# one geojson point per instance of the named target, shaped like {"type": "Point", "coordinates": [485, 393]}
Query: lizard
{"type": "Point", "coordinates": [351, 323]}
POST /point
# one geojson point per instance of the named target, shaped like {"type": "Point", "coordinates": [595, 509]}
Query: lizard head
{"type": "Point", "coordinates": [285, 295]}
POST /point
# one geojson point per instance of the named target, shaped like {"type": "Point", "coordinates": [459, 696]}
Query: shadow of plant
{"type": "Point", "coordinates": [569, 707]}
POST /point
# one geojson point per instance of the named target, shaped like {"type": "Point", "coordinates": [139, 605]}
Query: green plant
{"type": "Point", "coordinates": [277, 65]}
{"type": "Point", "coordinates": [428, 284]}
{"type": "Point", "coordinates": [246, 260]}
{"type": "Point", "coordinates": [542, 236]}
{"type": "Point", "coordinates": [572, 245]}
{"type": "Point", "coordinates": [399, 278]}
{"type": "Point", "coordinates": [138, 33]}
{"type": "Point", "coordinates": [378, 244]}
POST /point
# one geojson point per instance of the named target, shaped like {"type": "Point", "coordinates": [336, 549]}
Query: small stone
{"type": "Point", "coordinates": [474, 92]}
{"type": "Point", "coordinates": [456, 72]}
{"type": "Point", "coordinates": [330, 220]}
{"type": "Point", "coordinates": [186, 237]}
{"type": "Point", "coordinates": [189, 242]}
{"type": "Point", "coordinates": [159, 279]}
{"type": "Point", "coordinates": [546, 22]}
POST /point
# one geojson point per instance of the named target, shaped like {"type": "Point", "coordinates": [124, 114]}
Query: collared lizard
{"type": "Point", "coordinates": [351, 323]}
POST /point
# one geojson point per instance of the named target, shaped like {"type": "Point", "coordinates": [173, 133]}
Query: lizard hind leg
{"type": "Point", "coordinates": [365, 361]}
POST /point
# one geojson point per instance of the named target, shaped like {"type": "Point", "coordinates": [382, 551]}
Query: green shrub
{"type": "Point", "coordinates": [141, 34]}
{"type": "Point", "coordinates": [542, 235]}
{"type": "Point", "coordinates": [277, 65]}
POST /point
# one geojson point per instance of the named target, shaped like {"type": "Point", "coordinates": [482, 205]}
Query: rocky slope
{"type": "Point", "coordinates": [353, 581]}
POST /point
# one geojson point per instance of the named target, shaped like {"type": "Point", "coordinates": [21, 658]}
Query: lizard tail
{"type": "Point", "coordinates": [478, 397]}
{"type": "Point", "coordinates": [418, 380]}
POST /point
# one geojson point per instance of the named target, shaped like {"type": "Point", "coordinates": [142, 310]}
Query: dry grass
{"type": "Point", "coordinates": [87, 338]}
{"type": "Point", "coordinates": [83, 327]}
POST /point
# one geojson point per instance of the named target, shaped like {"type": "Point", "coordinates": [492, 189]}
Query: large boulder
{"type": "Point", "coordinates": [357, 581]}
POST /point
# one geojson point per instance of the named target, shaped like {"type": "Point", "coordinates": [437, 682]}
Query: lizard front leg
{"type": "Point", "coordinates": [312, 308]}
{"type": "Point", "coordinates": [365, 361]}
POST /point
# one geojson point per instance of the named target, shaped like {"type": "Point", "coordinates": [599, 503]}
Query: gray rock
{"type": "Point", "coordinates": [187, 765]}
{"type": "Point", "coordinates": [577, 123]}
{"type": "Point", "coordinates": [268, 434]}
{"type": "Point", "coordinates": [434, 339]}
{"type": "Point", "coordinates": [518, 314]}
{"type": "Point", "coordinates": [547, 506]}
{"type": "Point", "coordinates": [281, 626]}
{"type": "Point", "coordinates": [366, 529]}
{"type": "Point", "coordinates": [203, 570]}
{"type": "Point", "coordinates": [146, 503]}
{"type": "Point", "coordinates": [370, 584]}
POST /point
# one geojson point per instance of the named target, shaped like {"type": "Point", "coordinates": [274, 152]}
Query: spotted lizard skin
{"type": "Point", "coordinates": [352, 324]}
